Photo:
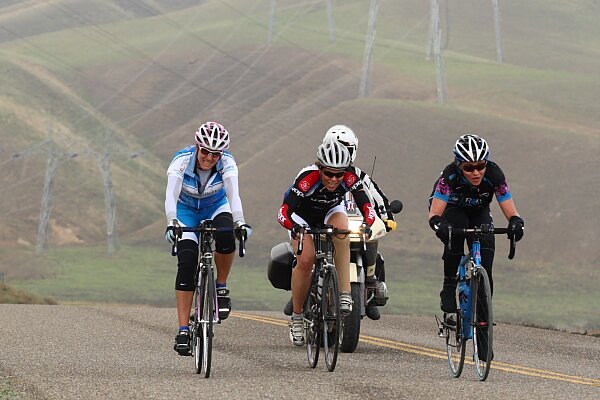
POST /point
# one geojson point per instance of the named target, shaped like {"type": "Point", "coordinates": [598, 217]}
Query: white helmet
{"type": "Point", "coordinates": [333, 154]}
{"type": "Point", "coordinates": [212, 136]}
{"type": "Point", "coordinates": [471, 148]}
{"type": "Point", "coordinates": [345, 135]}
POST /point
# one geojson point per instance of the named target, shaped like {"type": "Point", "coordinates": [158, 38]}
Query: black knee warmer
{"type": "Point", "coordinates": [187, 261]}
{"type": "Point", "coordinates": [224, 240]}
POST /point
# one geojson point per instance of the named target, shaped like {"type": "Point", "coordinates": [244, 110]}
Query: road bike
{"type": "Point", "coordinates": [473, 320]}
{"type": "Point", "coordinates": [322, 319]}
{"type": "Point", "coordinates": [206, 302]}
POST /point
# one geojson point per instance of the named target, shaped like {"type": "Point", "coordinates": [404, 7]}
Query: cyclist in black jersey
{"type": "Point", "coordinates": [380, 202]}
{"type": "Point", "coordinates": [316, 198]}
{"type": "Point", "coordinates": [461, 198]}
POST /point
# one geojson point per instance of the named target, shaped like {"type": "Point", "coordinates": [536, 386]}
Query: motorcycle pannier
{"type": "Point", "coordinates": [279, 271]}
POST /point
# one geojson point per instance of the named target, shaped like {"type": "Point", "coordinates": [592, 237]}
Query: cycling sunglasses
{"type": "Point", "coordinates": [206, 152]}
{"type": "Point", "coordinates": [472, 167]}
{"type": "Point", "coordinates": [331, 174]}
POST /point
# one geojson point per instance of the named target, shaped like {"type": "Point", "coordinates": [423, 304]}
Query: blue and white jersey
{"type": "Point", "coordinates": [194, 193]}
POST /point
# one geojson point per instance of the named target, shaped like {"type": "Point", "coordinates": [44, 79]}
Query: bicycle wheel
{"type": "Point", "coordinates": [330, 306]}
{"type": "Point", "coordinates": [350, 332]}
{"type": "Point", "coordinates": [483, 324]}
{"type": "Point", "coordinates": [198, 342]}
{"type": "Point", "coordinates": [312, 329]}
{"type": "Point", "coordinates": [208, 314]}
{"type": "Point", "coordinates": [455, 343]}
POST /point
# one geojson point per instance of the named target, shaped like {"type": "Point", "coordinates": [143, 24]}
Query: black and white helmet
{"type": "Point", "coordinates": [345, 135]}
{"type": "Point", "coordinates": [212, 136]}
{"type": "Point", "coordinates": [333, 154]}
{"type": "Point", "coordinates": [471, 148]}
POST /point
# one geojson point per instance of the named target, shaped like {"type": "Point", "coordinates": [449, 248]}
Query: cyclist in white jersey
{"type": "Point", "coordinates": [202, 183]}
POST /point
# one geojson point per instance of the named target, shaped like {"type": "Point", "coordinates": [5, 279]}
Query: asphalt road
{"type": "Point", "coordinates": [105, 352]}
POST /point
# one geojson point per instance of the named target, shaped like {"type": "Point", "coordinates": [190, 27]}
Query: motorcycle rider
{"type": "Point", "coordinates": [378, 199]}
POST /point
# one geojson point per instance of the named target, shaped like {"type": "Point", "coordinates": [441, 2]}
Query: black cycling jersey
{"type": "Point", "coordinates": [311, 200]}
{"type": "Point", "coordinates": [454, 188]}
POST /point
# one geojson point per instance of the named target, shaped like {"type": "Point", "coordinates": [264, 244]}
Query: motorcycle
{"type": "Point", "coordinates": [367, 290]}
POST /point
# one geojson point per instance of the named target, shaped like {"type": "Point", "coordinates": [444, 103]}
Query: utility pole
{"type": "Point", "coordinates": [434, 19]}
{"type": "Point", "coordinates": [434, 24]}
{"type": "Point", "coordinates": [109, 198]}
{"type": "Point", "coordinates": [272, 21]}
{"type": "Point", "coordinates": [499, 51]}
{"type": "Point", "coordinates": [365, 80]}
{"type": "Point", "coordinates": [331, 20]}
{"type": "Point", "coordinates": [440, 75]}
{"type": "Point", "coordinates": [54, 155]}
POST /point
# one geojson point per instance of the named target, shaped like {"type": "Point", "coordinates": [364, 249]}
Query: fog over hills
{"type": "Point", "coordinates": [151, 71]}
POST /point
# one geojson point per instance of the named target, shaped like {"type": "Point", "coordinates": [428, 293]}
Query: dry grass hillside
{"type": "Point", "coordinates": [152, 73]}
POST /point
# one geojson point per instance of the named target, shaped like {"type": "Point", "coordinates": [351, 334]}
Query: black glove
{"type": "Point", "coordinates": [296, 229]}
{"type": "Point", "coordinates": [516, 225]}
{"type": "Point", "coordinates": [440, 227]}
{"type": "Point", "coordinates": [366, 229]}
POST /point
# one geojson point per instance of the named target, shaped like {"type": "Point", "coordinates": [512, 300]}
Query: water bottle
{"type": "Point", "coordinates": [320, 285]}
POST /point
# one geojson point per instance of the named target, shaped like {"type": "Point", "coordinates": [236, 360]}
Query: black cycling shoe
{"type": "Point", "coordinates": [448, 299]}
{"type": "Point", "coordinates": [289, 308]}
{"type": "Point", "coordinates": [224, 303]}
{"type": "Point", "coordinates": [182, 343]}
{"type": "Point", "coordinates": [373, 313]}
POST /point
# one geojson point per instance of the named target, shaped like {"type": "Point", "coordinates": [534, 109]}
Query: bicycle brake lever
{"type": "Point", "coordinates": [300, 242]}
{"type": "Point", "coordinates": [242, 250]}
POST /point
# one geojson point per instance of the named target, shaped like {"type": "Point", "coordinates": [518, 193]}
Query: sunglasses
{"type": "Point", "coordinates": [206, 152]}
{"type": "Point", "coordinates": [472, 167]}
{"type": "Point", "coordinates": [331, 174]}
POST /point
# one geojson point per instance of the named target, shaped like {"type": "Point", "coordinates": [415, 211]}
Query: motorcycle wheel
{"type": "Point", "coordinates": [351, 324]}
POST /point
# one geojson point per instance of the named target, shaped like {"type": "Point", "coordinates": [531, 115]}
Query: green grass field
{"type": "Point", "coordinates": [540, 295]}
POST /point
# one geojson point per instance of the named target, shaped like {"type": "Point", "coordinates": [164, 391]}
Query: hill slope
{"type": "Point", "coordinates": [152, 72]}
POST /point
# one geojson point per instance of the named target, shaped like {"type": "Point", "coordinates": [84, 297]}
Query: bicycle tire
{"type": "Point", "coordinates": [198, 341]}
{"type": "Point", "coordinates": [312, 329]}
{"type": "Point", "coordinates": [483, 324]}
{"type": "Point", "coordinates": [350, 332]}
{"type": "Point", "coordinates": [455, 343]}
{"type": "Point", "coordinates": [331, 319]}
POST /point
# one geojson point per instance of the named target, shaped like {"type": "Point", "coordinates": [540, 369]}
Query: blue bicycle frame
{"type": "Point", "coordinates": [466, 294]}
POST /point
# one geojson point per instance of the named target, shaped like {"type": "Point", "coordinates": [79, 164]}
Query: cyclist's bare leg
{"type": "Point", "coordinates": [184, 305]}
{"type": "Point", "coordinates": [302, 273]}
{"type": "Point", "coordinates": [342, 250]}
{"type": "Point", "coordinates": [223, 263]}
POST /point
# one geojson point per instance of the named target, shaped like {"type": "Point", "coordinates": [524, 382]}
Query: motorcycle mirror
{"type": "Point", "coordinates": [396, 206]}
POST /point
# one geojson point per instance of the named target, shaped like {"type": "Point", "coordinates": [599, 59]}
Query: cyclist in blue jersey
{"type": "Point", "coordinates": [202, 183]}
{"type": "Point", "coordinates": [461, 199]}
